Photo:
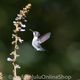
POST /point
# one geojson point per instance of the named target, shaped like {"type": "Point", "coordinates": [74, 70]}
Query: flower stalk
{"type": "Point", "coordinates": [1, 76]}
{"type": "Point", "coordinates": [19, 27]}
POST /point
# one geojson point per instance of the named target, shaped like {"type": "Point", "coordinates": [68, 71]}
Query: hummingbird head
{"type": "Point", "coordinates": [35, 33]}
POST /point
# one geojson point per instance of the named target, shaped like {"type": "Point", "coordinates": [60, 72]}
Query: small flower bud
{"type": "Point", "coordinates": [16, 18]}
{"type": "Point", "coordinates": [16, 47]}
{"type": "Point", "coordinates": [19, 15]}
{"type": "Point", "coordinates": [25, 20]}
{"type": "Point", "coordinates": [17, 55]}
{"type": "Point", "coordinates": [17, 66]}
{"type": "Point", "coordinates": [20, 40]}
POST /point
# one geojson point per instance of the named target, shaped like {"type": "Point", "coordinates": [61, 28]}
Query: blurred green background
{"type": "Point", "coordinates": [61, 18]}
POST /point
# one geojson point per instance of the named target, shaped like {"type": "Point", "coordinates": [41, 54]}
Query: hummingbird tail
{"type": "Point", "coordinates": [41, 49]}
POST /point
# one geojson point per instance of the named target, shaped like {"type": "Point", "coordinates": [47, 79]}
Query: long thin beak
{"type": "Point", "coordinates": [31, 30]}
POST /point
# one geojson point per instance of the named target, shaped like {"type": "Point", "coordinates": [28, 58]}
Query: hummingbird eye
{"type": "Point", "coordinates": [35, 33]}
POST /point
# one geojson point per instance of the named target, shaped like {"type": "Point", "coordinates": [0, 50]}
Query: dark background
{"type": "Point", "coordinates": [61, 18]}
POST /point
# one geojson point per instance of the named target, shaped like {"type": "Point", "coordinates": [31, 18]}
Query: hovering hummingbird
{"type": "Point", "coordinates": [37, 40]}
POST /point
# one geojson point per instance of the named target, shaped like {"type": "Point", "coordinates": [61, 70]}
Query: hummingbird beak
{"type": "Point", "coordinates": [31, 30]}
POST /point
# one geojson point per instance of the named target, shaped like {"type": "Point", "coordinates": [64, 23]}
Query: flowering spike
{"type": "Point", "coordinates": [19, 27]}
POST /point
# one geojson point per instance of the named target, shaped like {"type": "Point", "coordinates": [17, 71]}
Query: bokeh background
{"type": "Point", "coordinates": [61, 18]}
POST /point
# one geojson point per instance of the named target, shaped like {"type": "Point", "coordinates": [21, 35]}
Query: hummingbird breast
{"type": "Point", "coordinates": [35, 43]}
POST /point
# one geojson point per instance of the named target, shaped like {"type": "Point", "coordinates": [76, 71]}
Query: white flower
{"type": "Point", "coordinates": [22, 30]}
{"type": "Point", "coordinates": [9, 59]}
{"type": "Point", "coordinates": [16, 18]}
{"type": "Point", "coordinates": [14, 22]}
{"type": "Point", "coordinates": [18, 15]}
{"type": "Point", "coordinates": [23, 25]}
{"type": "Point", "coordinates": [17, 78]}
{"type": "Point", "coordinates": [25, 20]}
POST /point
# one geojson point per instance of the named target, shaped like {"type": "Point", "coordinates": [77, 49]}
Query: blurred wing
{"type": "Point", "coordinates": [44, 37]}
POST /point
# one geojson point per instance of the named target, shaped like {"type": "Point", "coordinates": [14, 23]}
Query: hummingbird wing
{"type": "Point", "coordinates": [45, 37]}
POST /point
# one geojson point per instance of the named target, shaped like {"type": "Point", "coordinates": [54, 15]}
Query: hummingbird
{"type": "Point", "coordinates": [38, 40]}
